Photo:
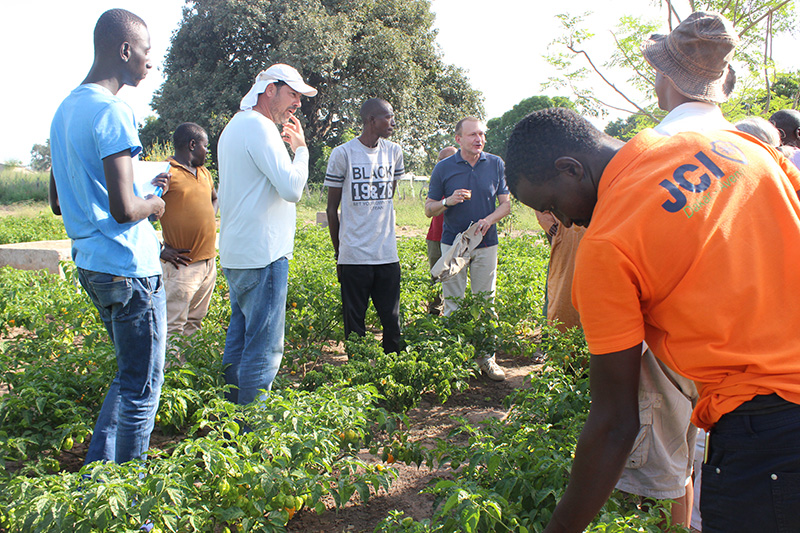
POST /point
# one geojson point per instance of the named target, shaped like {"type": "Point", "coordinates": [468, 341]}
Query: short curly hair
{"type": "Point", "coordinates": [787, 121]}
{"type": "Point", "coordinates": [113, 28]}
{"type": "Point", "coordinates": [542, 137]}
{"type": "Point", "coordinates": [187, 132]}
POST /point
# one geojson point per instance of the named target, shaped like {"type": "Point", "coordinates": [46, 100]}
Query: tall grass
{"type": "Point", "coordinates": [18, 185]}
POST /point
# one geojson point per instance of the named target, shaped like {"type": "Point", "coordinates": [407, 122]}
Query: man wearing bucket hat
{"type": "Point", "coordinates": [259, 186]}
{"type": "Point", "coordinates": [693, 75]}
{"type": "Point", "coordinates": [693, 72]}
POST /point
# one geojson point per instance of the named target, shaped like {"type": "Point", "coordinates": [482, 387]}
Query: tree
{"type": "Point", "coordinates": [499, 129]}
{"type": "Point", "coordinates": [349, 50]}
{"type": "Point", "coordinates": [625, 128]}
{"type": "Point", "coordinates": [40, 157]}
{"type": "Point", "coordinates": [757, 22]}
{"type": "Point", "coordinates": [154, 132]}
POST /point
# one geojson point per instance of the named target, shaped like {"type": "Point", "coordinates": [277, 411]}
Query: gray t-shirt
{"type": "Point", "coordinates": [367, 177]}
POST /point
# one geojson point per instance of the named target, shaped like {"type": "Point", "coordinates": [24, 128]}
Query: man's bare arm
{"type": "Point", "coordinates": [503, 209]}
{"type": "Point", "coordinates": [434, 208]}
{"type": "Point", "coordinates": [606, 439]}
{"type": "Point", "coordinates": [123, 204]}
{"type": "Point", "coordinates": [332, 212]}
{"type": "Point", "coordinates": [55, 205]}
{"type": "Point", "coordinates": [214, 199]}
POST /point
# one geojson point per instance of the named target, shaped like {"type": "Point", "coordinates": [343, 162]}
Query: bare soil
{"type": "Point", "coordinates": [428, 422]}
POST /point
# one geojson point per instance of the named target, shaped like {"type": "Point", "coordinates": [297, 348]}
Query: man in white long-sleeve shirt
{"type": "Point", "coordinates": [259, 186]}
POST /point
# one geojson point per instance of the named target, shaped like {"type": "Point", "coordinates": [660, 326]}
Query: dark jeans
{"type": "Point", "coordinates": [134, 312]}
{"type": "Point", "coordinates": [382, 284]}
{"type": "Point", "coordinates": [751, 480]}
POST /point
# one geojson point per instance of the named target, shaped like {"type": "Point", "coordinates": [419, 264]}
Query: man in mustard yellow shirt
{"type": "Point", "coordinates": [189, 230]}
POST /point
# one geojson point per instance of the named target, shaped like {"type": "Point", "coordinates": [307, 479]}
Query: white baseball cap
{"type": "Point", "coordinates": [277, 72]}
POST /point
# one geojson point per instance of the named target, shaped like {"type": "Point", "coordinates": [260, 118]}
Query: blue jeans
{"type": "Point", "coordinates": [254, 343]}
{"type": "Point", "coordinates": [134, 313]}
{"type": "Point", "coordinates": [751, 480]}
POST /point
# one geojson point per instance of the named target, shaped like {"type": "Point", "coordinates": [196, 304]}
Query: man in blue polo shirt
{"type": "Point", "coordinates": [115, 248]}
{"type": "Point", "coordinates": [468, 187]}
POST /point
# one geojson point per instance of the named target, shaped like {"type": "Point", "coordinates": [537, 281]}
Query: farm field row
{"type": "Point", "coordinates": [334, 434]}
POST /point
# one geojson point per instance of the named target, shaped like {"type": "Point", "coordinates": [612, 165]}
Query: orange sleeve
{"type": "Point", "coordinates": [606, 291]}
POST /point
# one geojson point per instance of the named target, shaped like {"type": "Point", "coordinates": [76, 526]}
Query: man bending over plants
{"type": "Point", "coordinates": [672, 256]}
{"type": "Point", "coordinates": [115, 248]}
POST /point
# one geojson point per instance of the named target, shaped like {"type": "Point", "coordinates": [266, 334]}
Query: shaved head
{"type": "Point", "coordinates": [113, 28]}
{"type": "Point", "coordinates": [373, 107]}
{"type": "Point", "coordinates": [788, 123]}
{"type": "Point", "coordinates": [187, 132]}
{"type": "Point", "coordinates": [447, 152]}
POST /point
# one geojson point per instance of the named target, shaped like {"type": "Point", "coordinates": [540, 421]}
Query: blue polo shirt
{"type": "Point", "coordinates": [486, 180]}
{"type": "Point", "coordinates": [91, 124]}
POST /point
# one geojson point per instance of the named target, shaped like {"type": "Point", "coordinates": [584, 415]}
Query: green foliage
{"type": "Point", "coordinates": [40, 157]}
{"type": "Point", "coordinates": [499, 129]}
{"type": "Point", "coordinates": [313, 314]}
{"type": "Point", "coordinates": [329, 438]}
{"type": "Point", "coordinates": [21, 185]}
{"type": "Point", "coordinates": [438, 365]}
{"type": "Point", "coordinates": [511, 473]}
{"type": "Point", "coordinates": [625, 128]}
{"type": "Point", "coordinates": [155, 133]}
{"type": "Point", "coordinates": [159, 151]}
{"type": "Point", "coordinates": [253, 481]}
{"type": "Point", "coordinates": [349, 49]}
{"type": "Point", "coordinates": [13, 163]}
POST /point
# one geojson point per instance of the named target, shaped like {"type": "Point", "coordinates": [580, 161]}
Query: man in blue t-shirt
{"type": "Point", "coordinates": [93, 139]}
{"type": "Point", "coordinates": [468, 187]}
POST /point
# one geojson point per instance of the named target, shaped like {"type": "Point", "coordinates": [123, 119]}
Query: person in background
{"type": "Point", "coordinates": [787, 121]}
{"type": "Point", "coordinates": [470, 187]}
{"type": "Point", "coordinates": [115, 248]}
{"type": "Point", "coordinates": [361, 177]}
{"type": "Point", "coordinates": [559, 310]}
{"type": "Point", "coordinates": [761, 129]}
{"type": "Point", "coordinates": [434, 240]}
{"type": "Point", "coordinates": [259, 185]}
{"type": "Point", "coordinates": [189, 230]}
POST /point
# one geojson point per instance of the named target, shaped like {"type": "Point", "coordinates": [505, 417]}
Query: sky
{"type": "Point", "coordinates": [500, 43]}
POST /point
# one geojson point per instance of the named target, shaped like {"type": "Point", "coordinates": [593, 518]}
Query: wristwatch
{"type": "Point", "coordinates": [444, 203]}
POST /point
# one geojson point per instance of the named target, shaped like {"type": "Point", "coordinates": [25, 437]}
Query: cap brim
{"type": "Point", "coordinates": [302, 88]}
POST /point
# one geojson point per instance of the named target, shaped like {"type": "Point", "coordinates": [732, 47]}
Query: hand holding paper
{"type": "Point", "coordinates": [143, 181]}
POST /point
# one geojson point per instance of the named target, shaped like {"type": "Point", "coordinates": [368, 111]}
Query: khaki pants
{"type": "Point", "coordinates": [189, 290]}
{"type": "Point", "coordinates": [482, 276]}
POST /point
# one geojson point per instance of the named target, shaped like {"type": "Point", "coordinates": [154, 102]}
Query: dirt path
{"type": "Point", "coordinates": [429, 421]}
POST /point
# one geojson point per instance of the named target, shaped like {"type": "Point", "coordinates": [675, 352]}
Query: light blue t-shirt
{"type": "Point", "coordinates": [90, 125]}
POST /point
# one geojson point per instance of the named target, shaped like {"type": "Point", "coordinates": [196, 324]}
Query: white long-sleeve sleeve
{"type": "Point", "coordinates": [259, 184]}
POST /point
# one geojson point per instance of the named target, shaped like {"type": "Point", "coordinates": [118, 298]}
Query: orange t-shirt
{"type": "Point", "coordinates": [189, 220]}
{"type": "Point", "coordinates": [694, 247]}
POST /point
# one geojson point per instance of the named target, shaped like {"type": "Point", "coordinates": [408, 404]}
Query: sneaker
{"type": "Point", "coordinates": [493, 370]}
